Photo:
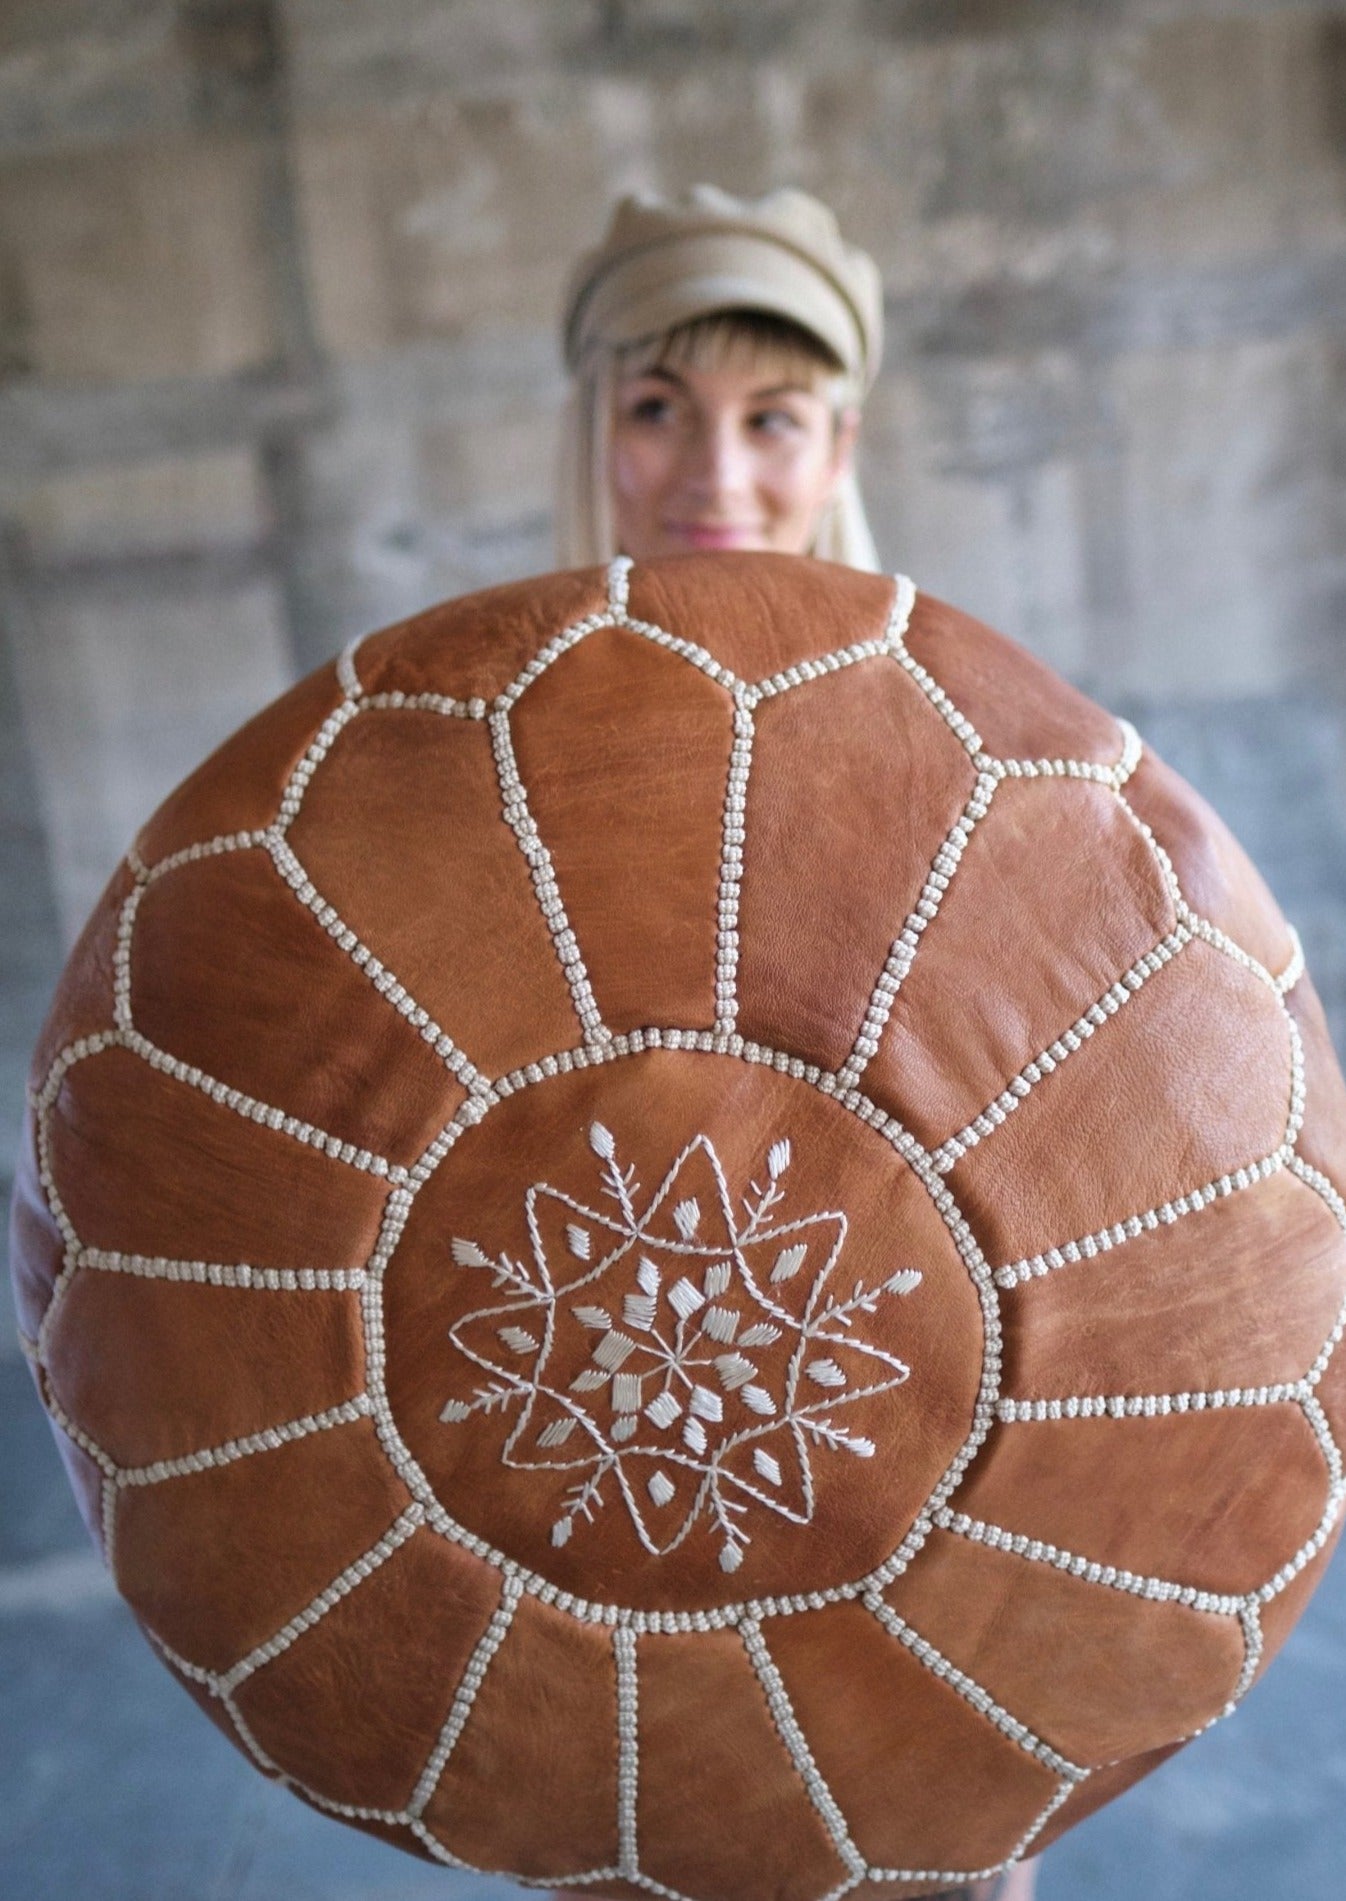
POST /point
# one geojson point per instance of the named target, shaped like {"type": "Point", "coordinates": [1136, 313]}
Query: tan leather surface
{"type": "Point", "coordinates": [149, 1165]}
{"type": "Point", "coordinates": [855, 783]}
{"type": "Point", "coordinates": [355, 1708]}
{"type": "Point", "coordinates": [620, 716]}
{"type": "Point", "coordinates": [238, 789]}
{"type": "Point", "coordinates": [526, 1362]}
{"type": "Point", "coordinates": [275, 1357]}
{"type": "Point", "coordinates": [472, 648]}
{"type": "Point", "coordinates": [541, 1742]}
{"type": "Point", "coordinates": [759, 614]}
{"type": "Point", "coordinates": [1134, 1673]}
{"type": "Point", "coordinates": [1219, 1500]}
{"type": "Point", "coordinates": [653, 1104]}
{"type": "Point", "coordinates": [83, 1004]}
{"type": "Point", "coordinates": [1020, 708]}
{"type": "Point", "coordinates": [334, 1054]}
{"type": "Point", "coordinates": [708, 1747]}
{"type": "Point", "coordinates": [252, 1542]}
{"type": "Point", "coordinates": [402, 832]}
{"type": "Point", "coordinates": [1172, 1063]}
{"type": "Point", "coordinates": [1216, 876]}
{"type": "Point", "coordinates": [1059, 941]}
{"type": "Point", "coordinates": [928, 1782]}
{"type": "Point", "coordinates": [1148, 1317]}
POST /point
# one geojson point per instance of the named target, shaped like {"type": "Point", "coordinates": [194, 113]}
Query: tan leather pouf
{"type": "Point", "coordinates": [684, 1231]}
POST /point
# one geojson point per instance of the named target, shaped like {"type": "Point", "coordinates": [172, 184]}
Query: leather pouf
{"type": "Point", "coordinates": [684, 1231]}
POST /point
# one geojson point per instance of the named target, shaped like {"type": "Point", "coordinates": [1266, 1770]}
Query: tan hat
{"type": "Point", "coordinates": [666, 261]}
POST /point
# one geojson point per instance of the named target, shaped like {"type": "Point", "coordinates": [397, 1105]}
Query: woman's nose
{"type": "Point", "coordinates": [717, 463]}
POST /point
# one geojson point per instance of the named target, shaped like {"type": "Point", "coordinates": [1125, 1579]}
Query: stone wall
{"type": "Point", "coordinates": [278, 284]}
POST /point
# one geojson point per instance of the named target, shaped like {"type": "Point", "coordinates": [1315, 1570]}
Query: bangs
{"type": "Point", "coordinates": [756, 341]}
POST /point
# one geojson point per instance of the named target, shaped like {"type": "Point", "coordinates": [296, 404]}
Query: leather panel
{"type": "Point", "coordinates": [1150, 1317]}
{"type": "Point", "coordinates": [1135, 1674]}
{"type": "Point", "coordinates": [474, 647]}
{"type": "Point", "coordinates": [1156, 1102]}
{"type": "Point", "coordinates": [1285, 1610]}
{"type": "Point", "coordinates": [83, 1004]}
{"type": "Point", "coordinates": [409, 802]}
{"type": "Point", "coordinates": [508, 1779]}
{"type": "Point", "coordinates": [854, 785]}
{"type": "Point", "coordinates": [1021, 709]}
{"type": "Point", "coordinates": [922, 1779]}
{"type": "Point", "coordinates": [708, 1747]}
{"type": "Point", "coordinates": [1219, 1500]}
{"type": "Point", "coordinates": [354, 1709]}
{"type": "Point", "coordinates": [848, 1189]}
{"type": "Point", "coordinates": [320, 1042]}
{"type": "Point", "coordinates": [155, 1369]}
{"type": "Point", "coordinates": [1013, 955]}
{"type": "Point", "coordinates": [623, 749]}
{"type": "Point", "coordinates": [239, 788]}
{"type": "Point", "coordinates": [227, 1588]}
{"type": "Point", "coordinates": [1217, 877]}
{"type": "Point", "coordinates": [148, 1165]}
{"type": "Point", "coordinates": [759, 614]}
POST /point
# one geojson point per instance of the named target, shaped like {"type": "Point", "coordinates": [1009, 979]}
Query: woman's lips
{"type": "Point", "coordinates": [704, 534]}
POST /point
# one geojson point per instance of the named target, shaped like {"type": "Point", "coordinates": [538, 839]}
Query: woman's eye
{"type": "Point", "coordinates": [774, 422]}
{"type": "Point", "coordinates": [650, 409]}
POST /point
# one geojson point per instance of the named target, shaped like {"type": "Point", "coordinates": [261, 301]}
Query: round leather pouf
{"type": "Point", "coordinates": [684, 1232]}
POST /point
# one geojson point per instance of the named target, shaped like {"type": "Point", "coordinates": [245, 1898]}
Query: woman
{"type": "Point", "coordinates": [720, 350]}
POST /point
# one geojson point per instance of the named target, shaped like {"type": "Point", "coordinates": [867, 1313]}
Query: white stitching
{"type": "Point", "coordinates": [474, 1675]}
{"type": "Point", "coordinates": [269, 1439]}
{"type": "Point", "coordinates": [791, 1734]}
{"type": "Point", "coordinates": [628, 1747]}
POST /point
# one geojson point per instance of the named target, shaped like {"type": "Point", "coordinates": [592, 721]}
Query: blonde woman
{"type": "Point", "coordinates": [720, 350]}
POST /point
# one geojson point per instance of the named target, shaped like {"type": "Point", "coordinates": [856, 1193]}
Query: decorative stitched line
{"type": "Point", "coordinates": [121, 958]}
{"type": "Point", "coordinates": [963, 729]}
{"type": "Point", "coordinates": [802, 671]}
{"type": "Point", "coordinates": [265, 1114]}
{"type": "Point", "coordinates": [1322, 1432]}
{"type": "Point", "coordinates": [1012, 1412]}
{"type": "Point", "coordinates": [217, 847]}
{"type": "Point", "coordinates": [955, 1881]}
{"type": "Point", "coordinates": [271, 1280]}
{"type": "Point", "coordinates": [107, 1500]}
{"type": "Point", "coordinates": [397, 701]}
{"type": "Point", "coordinates": [1105, 1239]}
{"type": "Point", "coordinates": [903, 953]}
{"type": "Point", "coordinates": [1307, 1552]}
{"type": "Point", "coordinates": [997, 1112]}
{"type": "Point", "coordinates": [436, 1849]}
{"type": "Point", "coordinates": [474, 1675]}
{"type": "Point", "coordinates": [348, 677]}
{"type": "Point", "coordinates": [792, 1735]}
{"type": "Point", "coordinates": [731, 869]}
{"type": "Point", "coordinates": [351, 1811]}
{"type": "Point", "coordinates": [971, 1691]}
{"type": "Point", "coordinates": [243, 1730]}
{"type": "Point", "coordinates": [1295, 1119]}
{"type": "Point", "coordinates": [364, 959]}
{"type": "Point", "coordinates": [1114, 776]}
{"type": "Point", "coordinates": [1330, 1345]}
{"type": "Point", "coordinates": [268, 1440]}
{"type": "Point", "coordinates": [331, 1594]}
{"type": "Point", "coordinates": [619, 585]}
{"type": "Point", "coordinates": [1025, 1842]}
{"type": "Point", "coordinates": [538, 858]}
{"type": "Point", "coordinates": [1038, 1551]}
{"type": "Point", "coordinates": [1314, 1178]}
{"type": "Point", "coordinates": [292, 798]}
{"type": "Point", "coordinates": [1294, 970]}
{"type": "Point", "coordinates": [899, 615]}
{"type": "Point", "coordinates": [628, 1747]}
{"type": "Point", "coordinates": [1250, 1617]}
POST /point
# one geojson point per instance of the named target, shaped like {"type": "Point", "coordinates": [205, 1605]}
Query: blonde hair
{"type": "Point", "coordinates": [755, 340]}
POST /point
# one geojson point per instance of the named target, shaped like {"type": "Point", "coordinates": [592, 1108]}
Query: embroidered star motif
{"type": "Point", "coordinates": [692, 1358]}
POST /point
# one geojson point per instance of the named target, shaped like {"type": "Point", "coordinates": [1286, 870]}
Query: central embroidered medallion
{"type": "Point", "coordinates": [691, 1350]}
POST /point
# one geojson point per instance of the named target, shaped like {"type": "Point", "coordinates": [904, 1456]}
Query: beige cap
{"type": "Point", "coordinates": [666, 261]}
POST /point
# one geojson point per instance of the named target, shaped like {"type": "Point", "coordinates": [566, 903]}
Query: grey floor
{"type": "Point", "coordinates": [113, 1786]}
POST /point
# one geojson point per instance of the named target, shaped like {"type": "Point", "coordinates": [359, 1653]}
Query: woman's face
{"type": "Point", "coordinates": [731, 457]}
